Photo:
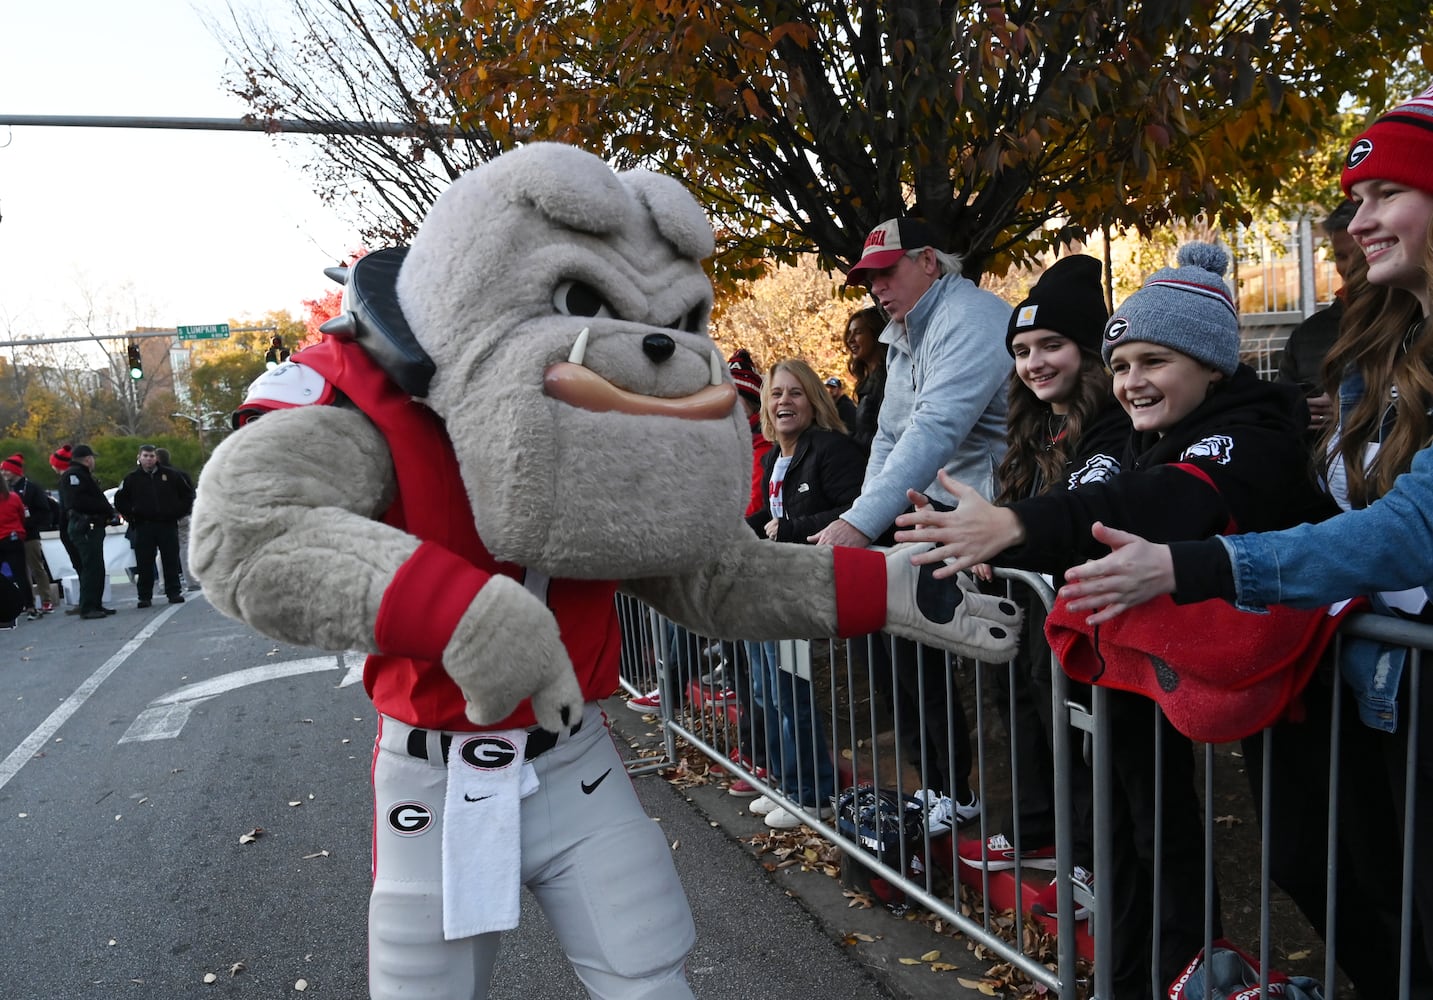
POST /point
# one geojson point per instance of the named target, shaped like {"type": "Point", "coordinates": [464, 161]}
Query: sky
{"type": "Point", "coordinates": [200, 226]}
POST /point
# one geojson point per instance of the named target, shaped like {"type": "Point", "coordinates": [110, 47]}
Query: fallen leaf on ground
{"type": "Point", "coordinates": [301, 985]}
{"type": "Point", "coordinates": [930, 956]}
{"type": "Point", "coordinates": [316, 854]}
{"type": "Point", "coordinates": [252, 835]}
{"type": "Point", "coordinates": [209, 977]}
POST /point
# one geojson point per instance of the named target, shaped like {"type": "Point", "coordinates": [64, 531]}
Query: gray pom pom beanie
{"type": "Point", "coordinates": [1188, 308]}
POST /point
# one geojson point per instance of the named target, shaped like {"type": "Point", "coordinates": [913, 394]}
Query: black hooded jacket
{"type": "Point", "coordinates": [1238, 462]}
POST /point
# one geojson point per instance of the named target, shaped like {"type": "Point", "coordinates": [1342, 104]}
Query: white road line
{"type": "Point", "coordinates": [31, 745]}
{"type": "Point", "coordinates": [166, 715]}
{"type": "Point", "coordinates": [354, 659]}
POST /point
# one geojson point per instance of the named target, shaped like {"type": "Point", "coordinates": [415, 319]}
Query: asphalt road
{"type": "Point", "coordinates": [139, 753]}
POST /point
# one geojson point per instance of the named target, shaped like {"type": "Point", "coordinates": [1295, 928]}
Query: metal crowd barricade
{"type": "Point", "coordinates": [708, 699]}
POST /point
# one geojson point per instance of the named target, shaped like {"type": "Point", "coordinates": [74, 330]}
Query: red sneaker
{"type": "Point", "coordinates": [651, 702]}
{"type": "Point", "coordinates": [743, 789]}
{"type": "Point", "coordinates": [999, 855]}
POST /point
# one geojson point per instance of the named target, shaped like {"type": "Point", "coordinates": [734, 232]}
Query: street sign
{"type": "Point", "coordinates": [208, 331]}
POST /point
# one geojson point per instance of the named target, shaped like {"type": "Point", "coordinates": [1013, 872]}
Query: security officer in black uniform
{"type": "Point", "coordinates": [89, 512]}
{"type": "Point", "coordinates": [153, 498]}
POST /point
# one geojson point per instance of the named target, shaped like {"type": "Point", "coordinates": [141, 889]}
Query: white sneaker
{"type": "Point", "coordinates": [763, 806]}
{"type": "Point", "coordinates": [783, 819]}
{"type": "Point", "coordinates": [939, 810]}
{"type": "Point", "coordinates": [967, 811]}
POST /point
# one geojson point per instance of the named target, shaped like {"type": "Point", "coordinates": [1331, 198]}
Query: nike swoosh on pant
{"type": "Point", "coordinates": [469, 798]}
{"type": "Point", "coordinates": [589, 789]}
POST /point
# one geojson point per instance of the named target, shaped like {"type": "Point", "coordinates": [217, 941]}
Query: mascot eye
{"type": "Point", "coordinates": [692, 321]}
{"type": "Point", "coordinates": [573, 298]}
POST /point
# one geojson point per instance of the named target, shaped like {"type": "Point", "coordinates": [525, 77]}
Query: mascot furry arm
{"type": "Point", "coordinates": [527, 410]}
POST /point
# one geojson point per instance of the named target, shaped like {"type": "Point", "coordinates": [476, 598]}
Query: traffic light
{"type": "Point", "coordinates": [136, 363]}
{"type": "Point", "coordinates": [277, 353]}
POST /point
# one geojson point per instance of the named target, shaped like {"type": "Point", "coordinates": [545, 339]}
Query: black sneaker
{"type": "Point", "coordinates": [177, 599]}
{"type": "Point", "coordinates": [108, 611]}
{"type": "Point", "coordinates": [90, 616]}
{"type": "Point", "coordinates": [143, 604]}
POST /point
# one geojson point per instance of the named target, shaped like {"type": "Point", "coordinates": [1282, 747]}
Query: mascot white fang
{"type": "Point", "coordinates": [525, 413]}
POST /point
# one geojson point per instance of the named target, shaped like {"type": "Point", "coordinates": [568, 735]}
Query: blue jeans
{"type": "Point", "coordinates": [797, 758]}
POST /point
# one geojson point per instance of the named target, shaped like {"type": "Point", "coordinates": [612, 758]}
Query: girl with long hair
{"type": "Point", "coordinates": [866, 361]}
{"type": "Point", "coordinates": [1064, 429]}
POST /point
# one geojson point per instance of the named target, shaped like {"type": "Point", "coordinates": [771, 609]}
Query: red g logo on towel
{"type": "Point", "coordinates": [488, 753]}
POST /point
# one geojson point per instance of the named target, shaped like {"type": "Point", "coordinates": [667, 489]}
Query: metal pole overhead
{"type": "Point", "coordinates": [247, 124]}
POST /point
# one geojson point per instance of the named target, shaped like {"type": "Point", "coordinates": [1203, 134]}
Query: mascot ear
{"type": "Point", "coordinates": [569, 186]}
{"type": "Point", "coordinates": [679, 218]}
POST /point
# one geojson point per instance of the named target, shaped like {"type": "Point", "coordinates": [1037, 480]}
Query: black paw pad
{"type": "Point", "coordinates": [936, 599]}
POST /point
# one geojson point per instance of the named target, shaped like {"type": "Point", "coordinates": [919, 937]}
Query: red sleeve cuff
{"type": "Point", "coordinates": [423, 603]}
{"type": "Point", "coordinates": [860, 591]}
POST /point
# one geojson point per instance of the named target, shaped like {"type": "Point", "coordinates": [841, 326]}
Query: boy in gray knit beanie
{"type": "Point", "coordinates": [1188, 308]}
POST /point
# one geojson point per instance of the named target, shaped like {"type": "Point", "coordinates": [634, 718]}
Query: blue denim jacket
{"type": "Point", "coordinates": [1383, 547]}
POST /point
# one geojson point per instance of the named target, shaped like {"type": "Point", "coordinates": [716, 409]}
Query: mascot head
{"type": "Point", "coordinates": [564, 310]}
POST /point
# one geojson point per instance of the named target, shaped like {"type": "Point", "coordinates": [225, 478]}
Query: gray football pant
{"type": "Point", "coordinates": [599, 867]}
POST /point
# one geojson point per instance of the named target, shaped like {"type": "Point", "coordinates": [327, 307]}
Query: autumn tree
{"type": "Point", "coordinates": [356, 61]}
{"type": "Point", "coordinates": [802, 123]}
{"type": "Point", "coordinates": [1013, 126]}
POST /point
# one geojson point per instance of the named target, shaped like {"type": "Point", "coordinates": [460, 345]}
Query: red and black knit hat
{"type": "Point", "coordinates": [15, 465]}
{"type": "Point", "coordinates": [744, 374]}
{"type": "Point", "coordinates": [1397, 147]}
{"type": "Point", "coordinates": [60, 458]}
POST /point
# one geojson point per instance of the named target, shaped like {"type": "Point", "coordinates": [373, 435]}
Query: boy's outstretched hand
{"type": "Point", "coordinates": [1133, 572]}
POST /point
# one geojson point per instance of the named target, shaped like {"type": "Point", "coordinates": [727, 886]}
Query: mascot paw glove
{"type": "Point", "coordinates": [507, 648]}
{"type": "Point", "coordinates": [952, 614]}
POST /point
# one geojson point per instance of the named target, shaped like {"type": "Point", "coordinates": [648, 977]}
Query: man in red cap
{"type": "Point", "coordinates": [37, 519]}
{"type": "Point", "coordinates": [946, 371]}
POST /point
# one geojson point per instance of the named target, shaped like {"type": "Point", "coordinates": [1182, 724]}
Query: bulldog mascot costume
{"type": "Point", "coordinates": [512, 420]}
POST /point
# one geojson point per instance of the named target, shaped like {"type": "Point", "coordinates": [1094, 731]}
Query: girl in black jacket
{"type": "Point", "coordinates": [1064, 430]}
